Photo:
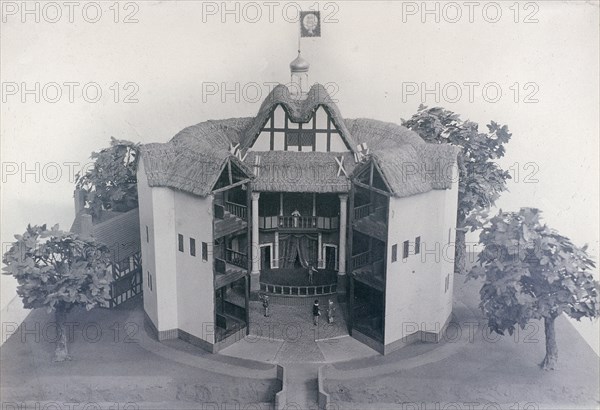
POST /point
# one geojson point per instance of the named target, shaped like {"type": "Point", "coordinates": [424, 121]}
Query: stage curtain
{"type": "Point", "coordinates": [303, 254]}
{"type": "Point", "coordinates": [302, 246]}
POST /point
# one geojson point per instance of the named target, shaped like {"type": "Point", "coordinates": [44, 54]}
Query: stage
{"type": "Point", "coordinates": [297, 277]}
{"type": "Point", "coordinates": [295, 282]}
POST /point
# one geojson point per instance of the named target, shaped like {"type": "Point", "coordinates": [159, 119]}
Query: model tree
{"type": "Point", "coordinates": [57, 271]}
{"type": "Point", "coordinates": [532, 272]}
{"type": "Point", "coordinates": [111, 184]}
{"type": "Point", "coordinates": [481, 180]}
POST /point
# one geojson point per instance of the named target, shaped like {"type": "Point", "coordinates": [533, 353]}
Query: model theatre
{"type": "Point", "coordinates": [237, 208]}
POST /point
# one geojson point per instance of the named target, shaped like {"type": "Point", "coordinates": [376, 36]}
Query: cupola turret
{"type": "Point", "coordinates": [299, 76]}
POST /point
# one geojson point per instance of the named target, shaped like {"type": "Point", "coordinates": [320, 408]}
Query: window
{"type": "Point", "coordinates": [192, 247]}
{"type": "Point", "coordinates": [304, 140]}
{"type": "Point", "coordinates": [447, 285]}
{"type": "Point", "coordinates": [204, 251]}
{"type": "Point", "coordinates": [394, 252]}
{"type": "Point", "coordinates": [147, 234]}
{"type": "Point", "coordinates": [405, 250]}
{"type": "Point", "coordinates": [180, 242]}
{"type": "Point", "coordinates": [417, 245]}
{"type": "Point", "coordinates": [149, 277]}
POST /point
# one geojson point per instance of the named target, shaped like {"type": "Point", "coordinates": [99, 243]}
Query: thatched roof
{"type": "Point", "coordinates": [299, 110]}
{"type": "Point", "coordinates": [408, 164]}
{"type": "Point", "coordinates": [285, 171]}
{"type": "Point", "coordinates": [193, 160]}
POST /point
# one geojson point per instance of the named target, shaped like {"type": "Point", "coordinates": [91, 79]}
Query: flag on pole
{"type": "Point", "coordinates": [310, 24]}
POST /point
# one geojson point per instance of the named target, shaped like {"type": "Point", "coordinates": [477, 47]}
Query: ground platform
{"type": "Point", "coordinates": [125, 365]}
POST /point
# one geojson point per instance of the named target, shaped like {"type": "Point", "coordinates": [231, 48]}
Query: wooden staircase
{"type": "Point", "coordinates": [228, 224]}
{"type": "Point", "coordinates": [371, 226]}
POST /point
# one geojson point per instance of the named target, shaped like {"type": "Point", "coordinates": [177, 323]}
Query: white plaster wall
{"type": "Point", "coordinates": [415, 297]}
{"type": "Point", "coordinates": [263, 142]}
{"type": "Point", "coordinates": [337, 144]}
{"type": "Point", "coordinates": [449, 225]}
{"type": "Point", "coordinates": [165, 242]}
{"type": "Point", "coordinates": [195, 286]}
{"type": "Point", "coordinates": [147, 247]}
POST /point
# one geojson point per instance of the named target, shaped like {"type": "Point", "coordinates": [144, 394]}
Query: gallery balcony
{"type": "Point", "coordinates": [229, 217]}
{"type": "Point", "coordinates": [230, 268]}
{"type": "Point", "coordinates": [368, 269]}
{"type": "Point", "coordinates": [298, 223]}
{"type": "Point", "coordinates": [371, 220]}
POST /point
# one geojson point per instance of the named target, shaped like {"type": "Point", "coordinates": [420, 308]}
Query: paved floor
{"type": "Point", "coordinates": [173, 374]}
{"type": "Point", "coordinates": [288, 335]}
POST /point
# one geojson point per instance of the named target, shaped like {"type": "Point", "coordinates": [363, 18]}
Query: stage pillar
{"type": "Point", "coordinates": [281, 204]}
{"type": "Point", "coordinates": [275, 255]}
{"type": "Point", "coordinates": [341, 288]}
{"type": "Point", "coordinates": [255, 272]}
{"type": "Point", "coordinates": [320, 264]}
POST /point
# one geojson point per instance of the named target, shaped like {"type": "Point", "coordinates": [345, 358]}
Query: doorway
{"type": "Point", "coordinates": [330, 257]}
{"type": "Point", "coordinates": [265, 256]}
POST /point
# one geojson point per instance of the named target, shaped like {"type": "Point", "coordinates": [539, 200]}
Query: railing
{"type": "Point", "coordinates": [236, 258]}
{"type": "Point", "coordinates": [362, 259]}
{"type": "Point", "coordinates": [362, 211]}
{"type": "Point", "coordinates": [241, 211]}
{"type": "Point", "coordinates": [219, 211]}
{"type": "Point", "coordinates": [365, 210]}
{"type": "Point", "coordinates": [380, 213]}
{"type": "Point", "coordinates": [300, 291]}
{"type": "Point", "coordinates": [220, 266]}
{"type": "Point", "coordinates": [299, 222]}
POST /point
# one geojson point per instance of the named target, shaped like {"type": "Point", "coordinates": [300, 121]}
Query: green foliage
{"type": "Point", "coordinates": [532, 272]}
{"type": "Point", "coordinates": [58, 270]}
{"type": "Point", "coordinates": [481, 179]}
{"type": "Point", "coordinates": [111, 184]}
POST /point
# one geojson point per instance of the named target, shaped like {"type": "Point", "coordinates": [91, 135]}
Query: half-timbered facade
{"type": "Point", "coordinates": [231, 209]}
{"type": "Point", "coordinates": [119, 231]}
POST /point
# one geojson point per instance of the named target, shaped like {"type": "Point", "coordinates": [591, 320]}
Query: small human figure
{"type": "Point", "coordinates": [265, 303]}
{"type": "Point", "coordinates": [330, 310]}
{"type": "Point", "coordinates": [311, 274]}
{"type": "Point", "coordinates": [316, 312]}
{"type": "Point", "coordinates": [296, 215]}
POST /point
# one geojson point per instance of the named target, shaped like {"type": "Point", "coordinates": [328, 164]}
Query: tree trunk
{"type": "Point", "coordinates": [61, 353]}
{"type": "Point", "coordinates": [460, 251]}
{"type": "Point", "coordinates": [549, 362]}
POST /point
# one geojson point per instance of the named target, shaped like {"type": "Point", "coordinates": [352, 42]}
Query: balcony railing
{"type": "Point", "coordinates": [301, 222]}
{"type": "Point", "coordinates": [298, 222]}
{"type": "Point", "coordinates": [241, 211]}
{"type": "Point", "coordinates": [365, 210]}
{"type": "Point", "coordinates": [300, 291]}
{"type": "Point", "coordinates": [236, 258]}
{"type": "Point", "coordinates": [360, 260]}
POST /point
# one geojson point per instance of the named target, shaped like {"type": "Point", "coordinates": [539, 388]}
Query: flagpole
{"type": "Point", "coordinates": [299, 33]}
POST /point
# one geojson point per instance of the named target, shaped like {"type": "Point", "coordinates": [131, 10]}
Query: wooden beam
{"type": "Point", "coordinates": [229, 172]}
{"type": "Point", "coordinates": [225, 188]}
{"type": "Point", "coordinates": [379, 191]}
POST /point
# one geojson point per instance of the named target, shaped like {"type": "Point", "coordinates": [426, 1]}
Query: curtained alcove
{"type": "Point", "coordinates": [297, 251]}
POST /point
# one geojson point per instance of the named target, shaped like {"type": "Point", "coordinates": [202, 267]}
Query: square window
{"type": "Point", "coordinates": [417, 245]}
{"type": "Point", "coordinates": [307, 139]}
{"type": "Point", "coordinates": [394, 252]}
{"type": "Point", "coordinates": [192, 247]}
{"type": "Point", "coordinates": [204, 251]}
{"type": "Point", "coordinates": [180, 242]}
{"type": "Point", "coordinates": [406, 247]}
{"type": "Point", "coordinates": [292, 139]}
